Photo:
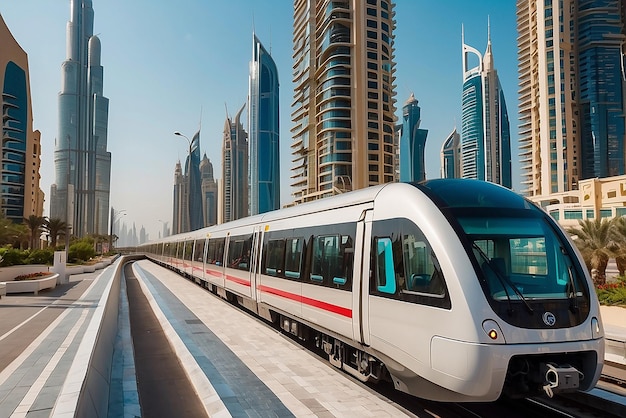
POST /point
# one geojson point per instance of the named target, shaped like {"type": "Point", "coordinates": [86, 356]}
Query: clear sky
{"type": "Point", "coordinates": [173, 65]}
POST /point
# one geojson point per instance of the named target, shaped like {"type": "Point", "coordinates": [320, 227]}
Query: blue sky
{"type": "Point", "coordinates": [171, 65]}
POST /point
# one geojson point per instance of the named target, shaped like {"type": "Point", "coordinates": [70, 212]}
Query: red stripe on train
{"type": "Point", "coordinates": [339, 310]}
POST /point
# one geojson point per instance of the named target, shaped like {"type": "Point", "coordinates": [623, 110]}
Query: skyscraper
{"type": "Point", "coordinates": [450, 156]}
{"type": "Point", "coordinates": [180, 210]}
{"type": "Point", "coordinates": [187, 211]}
{"type": "Point", "coordinates": [194, 189]}
{"type": "Point", "coordinates": [80, 195]}
{"type": "Point", "coordinates": [263, 127]}
{"type": "Point", "coordinates": [485, 134]}
{"type": "Point", "coordinates": [412, 143]}
{"type": "Point", "coordinates": [344, 97]}
{"type": "Point", "coordinates": [20, 195]}
{"type": "Point", "coordinates": [209, 192]}
{"type": "Point", "coordinates": [235, 169]}
{"type": "Point", "coordinates": [571, 91]}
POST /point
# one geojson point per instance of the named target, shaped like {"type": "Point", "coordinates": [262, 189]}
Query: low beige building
{"type": "Point", "coordinates": [595, 198]}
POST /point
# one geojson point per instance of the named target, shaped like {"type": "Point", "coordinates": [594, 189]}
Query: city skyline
{"type": "Point", "coordinates": [159, 81]}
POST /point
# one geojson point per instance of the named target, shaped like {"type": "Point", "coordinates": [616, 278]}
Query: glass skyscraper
{"type": "Point", "coordinates": [344, 97]}
{"type": "Point", "coordinates": [412, 143]}
{"type": "Point", "coordinates": [20, 195]}
{"type": "Point", "coordinates": [263, 130]}
{"type": "Point", "coordinates": [485, 134]}
{"type": "Point", "coordinates": [235, 169]}
{"type": "Point", "coordinates": [80, 195]}
{"type": "Point", "coordinates": [450, 156]}
{"type": "Point", "coordinates": [571, 92]}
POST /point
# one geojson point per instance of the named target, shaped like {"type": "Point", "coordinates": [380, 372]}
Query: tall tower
{"type": "Point", "coordinates": [209, 192]}
{"type": "Point", "coordinates": [20, 195]}
{"type": "Point", "coordinates": [412, 143]}
{"type": "Point", "coordinates": [344, 97]}
{"type": "Point", "coordinates": [180, 210]}
{"type": "Point", "coordinates": [194, 188]}
{"type": "Point", "coordinates": [235, 169]}
{"type": "Point", "coordinates": [485, 133]}
{"type": "Point", "coordinates": [451, 156]}
{"type": "Point", "coordinates": [263, 127]}
{"type": "Point", "coordinates": [80, 195]}
{"type": "Point", "coordinates": [571, 89]}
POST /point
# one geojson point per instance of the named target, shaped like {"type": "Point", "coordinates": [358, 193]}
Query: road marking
{"type": "Point", "coordinates": [15, 328]}
{"type": "Point", "coordinates": [27, 402]}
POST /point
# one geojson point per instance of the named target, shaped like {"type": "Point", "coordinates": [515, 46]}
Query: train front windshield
{"type": "Point", "coordinates": [522, 258]}
{"type": "Point", "coordinates": [523, 261]}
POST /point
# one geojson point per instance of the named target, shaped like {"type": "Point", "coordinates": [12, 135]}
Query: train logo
{"type": "Point", "coordinates": [549, 319]}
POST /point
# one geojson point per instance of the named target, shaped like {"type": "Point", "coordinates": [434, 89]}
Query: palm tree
{"type": "Point", "coordinates": [596, 240]}
{"type": "Point", "coordinates": [56, 228]}
{"type": "Point", "coordinates": [35, 225]}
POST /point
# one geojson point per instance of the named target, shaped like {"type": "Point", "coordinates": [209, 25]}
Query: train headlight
{"type": "Point", "coordinates": [493, 331]}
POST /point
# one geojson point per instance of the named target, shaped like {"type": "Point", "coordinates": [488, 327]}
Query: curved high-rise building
{"type": "Point", "coordinates": [412, 143]}
{"type": "Point", "coordinates": [20, 195]}
{"type": "Point", "coordinates": [485, 132]}
{"type": "Point", "coordinates": [344, 96]}
{"type": "Point", "coordinates": [235, 169]}
{"type": "Point", "coordinates": [80, 195]}
{"type": "Point", "coordinates": [450, 156]}
{"type": "Point", "coordinates": [263, 131]}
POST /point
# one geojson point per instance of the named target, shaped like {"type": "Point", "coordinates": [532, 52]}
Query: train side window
{"type": "Point", "coordinates": [421, 276]}
{"type": "Point", "coordinates": [293, 258]}
{"type": "Point", "coordinates": [332, 261]}
{"type": "Point", "coordinates": [215, 252]}
{"type": "Point", "coordinates": [239, 252]}
{"type": "Point", "coordinates": [188, 251]}
{"type": "Point", "coordinates": [198, 253]}
{"type": "Point", "coordinates": [275, 258]}
{"type": "Point", "coordinates": [385, 270]}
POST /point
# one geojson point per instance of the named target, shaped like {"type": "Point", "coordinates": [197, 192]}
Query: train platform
{"type": "Point", "coordinates": [243, 368]}
{"type": "Point", "coordinates": [235, 363]}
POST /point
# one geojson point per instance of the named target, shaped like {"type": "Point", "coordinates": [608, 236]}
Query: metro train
{"type": "Point", "coordinates": [454, 290]}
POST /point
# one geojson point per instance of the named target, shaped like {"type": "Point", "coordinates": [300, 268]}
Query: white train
{"type": "Point", "coordinates": [456, 290]}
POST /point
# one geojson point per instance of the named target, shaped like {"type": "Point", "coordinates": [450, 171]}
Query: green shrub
{"type": "Point", "coordinates": [44, 256]}
{"type": "Point", "coordinates": [12, 256]}
{"type": "Point", "coordinates": [612, 293]}
{"type": "Point", "coordinates": [80, 251]}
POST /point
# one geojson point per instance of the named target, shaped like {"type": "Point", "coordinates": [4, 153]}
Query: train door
{"type": "Point", "coordinates": [255, 260]}
{"type": "Point", "coordinates": [360, 284]}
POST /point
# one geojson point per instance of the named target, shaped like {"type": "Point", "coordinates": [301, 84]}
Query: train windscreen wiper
{"type": "Point", "coordinates": [504, 280]}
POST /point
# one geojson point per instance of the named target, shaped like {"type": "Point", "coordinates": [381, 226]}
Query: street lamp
{"type": "Point", "coordinates": [190, 169]}
{"type": "Point", "coordinates": [165, 234]}
{"type": "Point", "coordinates": [114, 216]}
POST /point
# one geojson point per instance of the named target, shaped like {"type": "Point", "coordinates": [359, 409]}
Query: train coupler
{"type": "Point", "coordinates": [559, 378]}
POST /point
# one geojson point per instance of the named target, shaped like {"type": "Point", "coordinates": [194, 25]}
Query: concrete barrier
{"type": "Point", "coordinates": [31, 285]}
{"type": "Point", "coordinates": [92, 365]}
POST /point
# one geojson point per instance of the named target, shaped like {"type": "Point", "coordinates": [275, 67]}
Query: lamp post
{"type": "Point", "coordinates": [165, 234]}
{"type": "Point", "coordinates": [114, 215]}
{"type": "Point", "coordinates": [190, 169]}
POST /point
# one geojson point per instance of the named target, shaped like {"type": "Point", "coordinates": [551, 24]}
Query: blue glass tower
{"type": "Point", "coordinates": [192, 173]}
{"type": "Point", "coordinates": [263, 132]}
{"type": "Point", "coordinates": [485, 134]}
{"type": "Point", "coordinates": [450, 156]}
{"type": "Point", "coordinates": [412, 143]}
{"type": "Point", "coordinates": [80, 195]}
{"type": "Point", "coordinates": [601, 101]}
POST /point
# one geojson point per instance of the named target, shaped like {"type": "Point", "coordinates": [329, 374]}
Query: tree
{"type": "Point", "coordinates": [56, 228]}
{"type": "Point", "coordinates": [35, 226]}
{"type": "Point", "coordinates": [597, 240]}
